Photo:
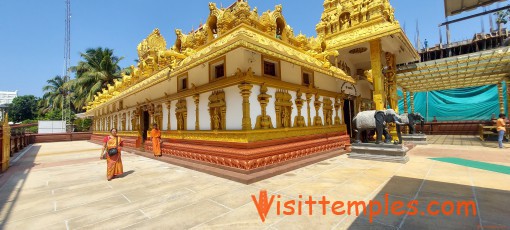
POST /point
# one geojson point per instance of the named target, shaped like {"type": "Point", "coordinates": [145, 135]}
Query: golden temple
{"type": "Point", "coordinates": [244, 93]}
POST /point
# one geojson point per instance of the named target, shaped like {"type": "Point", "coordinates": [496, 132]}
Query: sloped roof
{"type": "Point", "coordinates": [475, 69]}
{"type": "Point", "coordinates": [452, 7]}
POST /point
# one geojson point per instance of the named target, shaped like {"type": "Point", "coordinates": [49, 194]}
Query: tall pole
{"type": "Point", "coordinates": [66, 107]}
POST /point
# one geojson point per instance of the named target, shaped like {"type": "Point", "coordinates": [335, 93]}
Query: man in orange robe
{"type": "Point", "coordinates": [156, 140]}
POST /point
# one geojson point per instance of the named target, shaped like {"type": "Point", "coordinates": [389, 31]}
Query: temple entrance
{"type": "Point", "coordinates": [348, 112]}
{"type": "Point", "coordinates": [145, 124]}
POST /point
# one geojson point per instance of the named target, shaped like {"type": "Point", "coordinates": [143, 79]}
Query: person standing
{"type": "Point", "coordinates": [113, 156]}
{"type": "Point", "coordinates": [156, 140]}
{"type": "Point", "coordinates": [500, 123]}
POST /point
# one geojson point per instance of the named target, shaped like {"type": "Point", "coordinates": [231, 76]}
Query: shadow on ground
{"type": "Point", "coordinates": [12, 182]}
{"type": "Point", "coordinates": [489, 207]}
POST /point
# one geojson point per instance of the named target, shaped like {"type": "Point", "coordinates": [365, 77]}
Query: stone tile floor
{"type": "Point", "coordinates": [63, 186]}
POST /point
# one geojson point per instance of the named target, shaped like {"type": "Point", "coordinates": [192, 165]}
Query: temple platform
{"type": "Point", "coordinates": [380, 152]}
{"type": "Point", "coordinates": [247, 162]}
{"type": "Point", "coordinates": [417, 139]}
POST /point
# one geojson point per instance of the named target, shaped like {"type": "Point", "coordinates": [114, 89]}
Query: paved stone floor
{"type": "Point", "coordinates": [63, 186]}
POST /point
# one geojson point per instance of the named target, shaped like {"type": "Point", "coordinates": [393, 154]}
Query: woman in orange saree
{"type": "Point", "coordinates": [156, 140]}
{"type": "Point", "coordinates": [113, 162]}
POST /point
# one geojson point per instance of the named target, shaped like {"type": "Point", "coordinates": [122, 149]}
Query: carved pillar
{"type": "Point", "coordinates": [327, 111]}
{"type": "Point", "coordinates": [245, 93]}
{"type": "Point", "coordinates": [405, 101]}
{"type": "Point", "coordinates": [501, 98]}
{"type": "Point", "coordinates": [308, 100]}
{"type": "Point", "coordinates": [108, 123]}
{"type": "Point", "coordinates": [6, 142]}
{"type": "Point", "coordinates": [411, 94]}
{"type": "Point", "coordinates": [116, 121]}
{"type": "Point", "coordinates": [299, 120]}
{"type": "Point", "coordinates": [136, 127]}
{"type": "Point", "coordinates": [375, 61]}
{"type": "Point", "coordinates": [123, 122]}
{"type": "Point", "coordinates": [263, 121]}
{"type": "Point", "coordinates": [337, 108]}
{"type": "Point", "coordinates": [391, 75]}
{"type": "Point", "coordinates": [317, 120]}
{"type": "Point", "coordinates": [196, 98]}
{"type": "Point", "coordinates": [168, 106]}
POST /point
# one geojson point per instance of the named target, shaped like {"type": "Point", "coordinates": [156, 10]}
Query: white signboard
{"type": "Point", "coordinates": [52, 127]}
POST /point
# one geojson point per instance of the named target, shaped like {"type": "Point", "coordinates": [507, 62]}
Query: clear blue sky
{"type": "Point", "coordinates": [32, 31]}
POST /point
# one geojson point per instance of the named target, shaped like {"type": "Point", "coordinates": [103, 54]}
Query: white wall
{"type": "Point", "coordinates": [165, 117]}
{"type": "Point", "coordinates": [291, 72]}
{"type": "Point", "coordinates": [236, 59]}
{"type": "Point", "coordinates": [173, 119]}
{"type": "Point", "coordinates": [199, 75]}
{"type": "Point", "coordinates": [253, 60]}
{"type": "Point", "coordinates": [365, 88]}
{"type": "Point", "coordinates": [234, 102]}
{"type": "Point", "coordinates": [325, 82]}
{"type": "Point", "coordinates": [255, 109]}
{"type": "Point", "coordinates": [205, 119]}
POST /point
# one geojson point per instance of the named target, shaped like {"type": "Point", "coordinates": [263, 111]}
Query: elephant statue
{"type": "Point", "coordinates": [411, 119]}
{"type": "Point", "coordinates": [377, 119]}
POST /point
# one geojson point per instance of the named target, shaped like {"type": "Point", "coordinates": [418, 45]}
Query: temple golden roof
{"type": "Point", "coordinates": [225, 30]}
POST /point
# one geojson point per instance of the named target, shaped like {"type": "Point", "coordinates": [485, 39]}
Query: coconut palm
{"type": "Point", "coordinates": [99, 68]}
{"type": "Point", "coordinates": [54, 94]}
{"type": "Point", "coordinates": [502, 18]}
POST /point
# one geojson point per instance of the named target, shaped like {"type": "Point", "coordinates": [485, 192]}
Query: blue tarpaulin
{"type": "Point", "coordinates": [473, 103]}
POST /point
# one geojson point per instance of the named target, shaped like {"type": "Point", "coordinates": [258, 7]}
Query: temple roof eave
{"type": "Point", "coordinates": [242, 36]}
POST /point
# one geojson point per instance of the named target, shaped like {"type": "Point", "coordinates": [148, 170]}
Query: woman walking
{"type": "Point", "coordinates": [156, 140]}
{"type": "Point", "coordinates": [113, 157]}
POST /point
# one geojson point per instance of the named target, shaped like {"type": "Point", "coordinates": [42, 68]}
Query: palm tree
{"type": "Point", "coordinates": [502, 18]}
{"type": "Point", "coordinates": [99, 68]}
{"type": "Point", "coordinates": [54, 94]}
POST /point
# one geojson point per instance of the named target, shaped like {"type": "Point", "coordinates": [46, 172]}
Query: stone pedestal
{"type": "Point", "coordinates": [379, 152]}
{"type": "Point", "coordinates": [418, 139]}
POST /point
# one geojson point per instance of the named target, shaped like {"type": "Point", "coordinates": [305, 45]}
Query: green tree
{"type": "Point", "coordinates": [23, 108]}
{"type": "Point", "coordinates": [99, 68]}
{"type": "Point", "coordinates": [502, 18]}
{"type": "Point", "coordinates": [54, 94]}
{"type": "Point", "coordinates": [82, 124]}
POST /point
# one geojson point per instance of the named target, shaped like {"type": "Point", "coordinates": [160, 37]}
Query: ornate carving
{"type": "Point", "coordinates": [218, 110]}
{"type": "Point", "coordinates": [245, 93]}
{"type": "Point", "coordinates": [181, 113]}
{"type": "Point", "coordinates": [263, 120]}
{"type": "Point", "coordinates": [299, 120]}
{"type": "Point", "coordinates": [317, 120]}
{"type": "Point", "coordinates": [283, 107]}
{"type": "Point", "coordinates": [123, 122]}
{"type": "Point", "coordinates": [327, 110]}
{"type": "Point", "coordinates": [158, 114]}
{"type": "Point", "coordinates": [168, 106]}
{"type": "Point", "coordinates": [339, 103]}
{"type": "Point", "coordinates": [308, 100]}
